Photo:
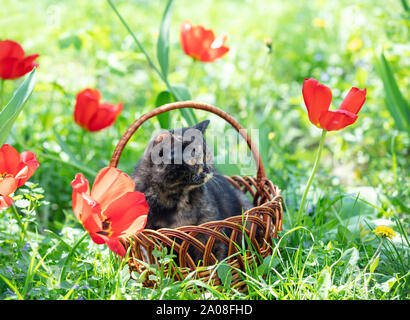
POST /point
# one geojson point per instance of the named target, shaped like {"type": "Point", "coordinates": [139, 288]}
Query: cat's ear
{"type": "Point", "coordinates": [202, 126]}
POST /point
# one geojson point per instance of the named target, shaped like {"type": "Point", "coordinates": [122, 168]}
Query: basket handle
{"type": "Point", "coordinates": [189, 104]}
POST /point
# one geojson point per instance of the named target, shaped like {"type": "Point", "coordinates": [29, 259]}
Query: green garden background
{"type": "Point", "coordinates": [327, 252]}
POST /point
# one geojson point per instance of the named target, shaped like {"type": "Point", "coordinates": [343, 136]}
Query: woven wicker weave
{"type": "Point", "coordinates": [262, 222]}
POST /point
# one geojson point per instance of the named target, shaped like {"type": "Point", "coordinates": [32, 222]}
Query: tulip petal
{"type": "Point", "coordinates": [7, 186]}
{"type": "Point", "coordinates": [317, 99]}
{"type": "Point", "coordinates": [28, 164]}
{"type": "Point", "coordinates": [137, 226]}
{"type": "Point", "coordinates": [192, 40]}
{"type": "Point", "coordinates": [5, 202]}
{"type": "Point", "coordinates": [9, 68]}
{"type": "Point", "coordinates": [201, 44]}
{"type": "Point", "coordinates": [98, 239]}
{"type": "Point", "coordinates": [13, 64]}
{"type": "Point", "coordinates": [28, 62]}
{"type": "Point", "coordinates": [10, 49]}
{"type": "Point", "coordinates": [202, 41]}
{"type": "Point", "coordinates": [219, 41]}
{"type": "Point", "coordinates": [116, 246]}
{"type": "Point", "coordinates": [86, 210]}
{"type": "Point", "coordinates": [80, 185]}
{"type": "Point", "coordinates": [12, 68]}
{"type": "Point", "coordinates": [217, 53]}
{"type": "Point", "coordinates": [336, 120]}
{"type": "Point", "coordinates": [185, 27]}
{"type": "Point", "coordinates": [110, 184]}
{"type": "Point", "coordinates": [91, 218]}
{"type": "Point", "coordinates": [122, 213]}
{"type": "Point", "coordinates": [9, 160]}
{"type": "Point", "coordinates": [86, 106]}
{"type": "Point", "coordinates": [105, 116]}
{"type": "Point", "coordinates": [354, 100]}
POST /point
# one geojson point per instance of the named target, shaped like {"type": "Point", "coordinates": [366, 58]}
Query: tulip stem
{"type": "Point", "coordinates": [22, 226]}
{"type": "Point", "coordinates": [319, 152]}
{"type": "Point", "coordinates": [1, 93]}
{"type": "Point", "coordinates": [188, 116]}
{"type": "Point", "coordinates": [141, 47]}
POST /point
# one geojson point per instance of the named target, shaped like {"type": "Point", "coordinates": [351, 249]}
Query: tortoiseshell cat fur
{"type": "Point", "coordinates": [185, 190]}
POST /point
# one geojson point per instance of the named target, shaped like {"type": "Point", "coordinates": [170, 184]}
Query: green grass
{"type": "Point", "coordinates": [327, 252]}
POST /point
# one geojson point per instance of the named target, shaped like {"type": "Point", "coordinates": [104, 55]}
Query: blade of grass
{"type": "Point", "coordinates": [55, 236]}
{"type": "Point", "coordinates": [33, 271]}
{"type": "Point", "coordinates": [70, 292]}
{"type": "Point", "coordinates": [12, 287]}
{"type": "Point", "coordinates": [64, 267]}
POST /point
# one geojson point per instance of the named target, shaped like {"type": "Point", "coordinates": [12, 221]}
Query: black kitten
{"type": "Point", "coordinates": [181, 185]}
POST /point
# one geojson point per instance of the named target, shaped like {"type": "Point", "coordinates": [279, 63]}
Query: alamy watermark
{"type": "Point", "coordinates": [220, 148]}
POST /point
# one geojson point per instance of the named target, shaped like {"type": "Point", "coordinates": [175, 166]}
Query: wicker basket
{"type": "Point", "coordinates": [263, 221]}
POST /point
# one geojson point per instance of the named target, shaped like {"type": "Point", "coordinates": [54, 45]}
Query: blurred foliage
{"type": "Point", "coordinates": [274, 45]}
{"type": "Point", "coordinates": [333, 41]}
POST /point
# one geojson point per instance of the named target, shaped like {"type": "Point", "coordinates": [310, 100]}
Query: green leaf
{"type": "Point", "coordinates": [344, 235]}
{"type": "Point", "coordinates": [396, 104]}
{"type": "Point", "coordinates": [268, 264]}
{"type": "Point", "coordinates": [324, 284]}
{"type": "Point", "coordinates": [387, 285]}
{"type": "Point", "coordinates": [225, 274]}
{"type": "Point", "coordinates": [405, 5]}
{"type": "Point", "coordinates": [181, 93]}
{"type": "Point", "coordinates": [374, 264]}
{"type": "Point", "coordinates": [350, 257]}
{"type": "Point", "coordinates": [74, 40]}
{"type": "Point", "coordinates": [11, 111]}
{"type": "Point", "coordinates": [163, 39]}
{"type": "Point", "coordinates": [164, 97]}
{"type": "Point", "coordinates": [353, 255]}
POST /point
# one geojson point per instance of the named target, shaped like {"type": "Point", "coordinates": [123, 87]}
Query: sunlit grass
{"type": "Point", "coordinates": [328, 251]}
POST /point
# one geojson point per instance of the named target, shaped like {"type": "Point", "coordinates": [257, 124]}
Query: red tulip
{"type": "Point", "coordinates": [112, 210]}
{"type": "Point", "coordinates": [15, 170]}
{"type": "Point", "coordinates": [317, 99]}
{"type": "Point", "coordinates": [92, 115]}
{"type": "Point", "coordinates": [201, 44]}
{"type": "Point", "coordinates": [13, 63]}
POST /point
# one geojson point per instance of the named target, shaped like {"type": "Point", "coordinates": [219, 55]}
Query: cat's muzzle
{"type": "Point", "coordinates": [201, 178]}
